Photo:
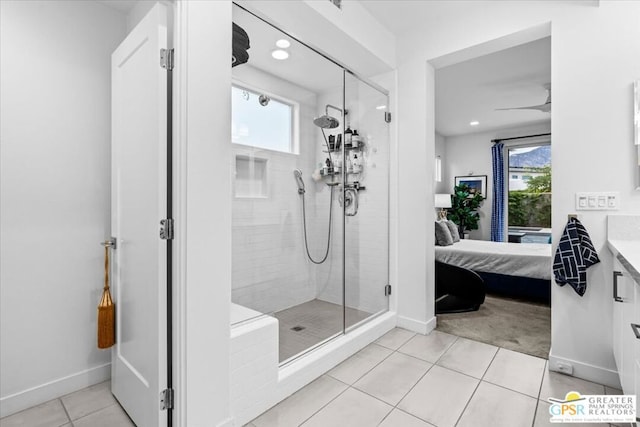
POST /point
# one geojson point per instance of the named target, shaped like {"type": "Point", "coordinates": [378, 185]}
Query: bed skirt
{"type": "Point", "coordinates": [517, 286]}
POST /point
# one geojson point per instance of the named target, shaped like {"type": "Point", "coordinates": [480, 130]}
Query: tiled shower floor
{"type": "Point", "coordinates": [318, 319]}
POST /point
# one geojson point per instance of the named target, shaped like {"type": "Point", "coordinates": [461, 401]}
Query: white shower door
{"type": "Point", "coordinates": [139, 202]}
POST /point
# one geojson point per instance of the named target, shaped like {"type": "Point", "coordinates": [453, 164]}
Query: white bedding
{"type": "Point", "coordinates": [514, 259]}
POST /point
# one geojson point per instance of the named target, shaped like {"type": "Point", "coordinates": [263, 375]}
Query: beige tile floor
{"type": "Point", "coordinates": [409, 380]}
{"type": "Point", "coordinates": [401, 380]}
{"type": "Point", "coordinates": [91, 407]}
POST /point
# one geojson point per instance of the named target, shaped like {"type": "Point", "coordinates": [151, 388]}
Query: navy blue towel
{"type": "Point", "coordinates": [574, 255]}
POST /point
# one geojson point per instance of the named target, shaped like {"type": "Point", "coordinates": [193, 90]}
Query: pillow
{"type": "Point", "coordinates": [453, 229]}
{"type": "Point", "coordinates": [443, 235]}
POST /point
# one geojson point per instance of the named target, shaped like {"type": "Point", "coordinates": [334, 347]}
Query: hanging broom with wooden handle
{"type": "Point", "coordinates": [106, 308]}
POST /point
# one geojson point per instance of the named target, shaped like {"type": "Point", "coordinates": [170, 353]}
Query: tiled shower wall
{"type": "Point", "coordinates": [270, 269]}
{"type": "Point", "coordinates": [366, 238]}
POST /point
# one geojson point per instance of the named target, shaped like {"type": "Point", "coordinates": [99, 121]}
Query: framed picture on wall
{"type": "Point", "coordinates": [476, 183]}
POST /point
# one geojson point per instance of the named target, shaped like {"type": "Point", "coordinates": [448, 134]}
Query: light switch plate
{"type": "Point", "coordinates": [598, 201]}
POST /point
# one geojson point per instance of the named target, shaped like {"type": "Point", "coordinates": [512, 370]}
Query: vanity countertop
{"type": "Point", "coordinates": [628, 253]}
{"type": "Point", "coordinates": [623, 239]}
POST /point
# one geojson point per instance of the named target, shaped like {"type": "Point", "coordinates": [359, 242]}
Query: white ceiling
{"type": "Point", "coordinates": [121, 5]}
{"type": "Point", "coordinates": [304, 67]}
{"type": "Point", "coordinates": [473, 89]}
{"type": "Point", "coordinates": [400, 16]}
{"type": "Point", "coordinates": [466, 91]}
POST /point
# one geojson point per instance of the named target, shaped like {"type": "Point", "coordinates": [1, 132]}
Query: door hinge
{"type": "Point", "coordinates": [387, 117]}
{"type": "Point", "coordinates": [166, 229]}
{"type": "Point", "coordinates": [166, 59]}
{"type": "Point", "coordinates": [166, 399]}
{"type": "Point", "coordinates": [387, 290]}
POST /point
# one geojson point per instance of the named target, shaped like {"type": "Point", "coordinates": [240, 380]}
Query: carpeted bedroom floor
{"type": "Point", "coordinates": [512, 324]}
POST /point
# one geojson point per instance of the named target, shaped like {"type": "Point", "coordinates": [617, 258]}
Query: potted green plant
{"type": "Point", "coordinates": [464, 208]}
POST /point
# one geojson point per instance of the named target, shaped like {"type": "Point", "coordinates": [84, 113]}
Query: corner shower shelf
{"type": "Point", "coordinates": [337, 173]}
{"type": "Point", "coordinates": [359, 147]}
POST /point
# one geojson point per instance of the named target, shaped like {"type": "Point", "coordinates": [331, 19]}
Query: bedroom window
{"type": "Point", "coordinates": [260, 120]}
{"type": "Point", "coordinates": [529, 193]}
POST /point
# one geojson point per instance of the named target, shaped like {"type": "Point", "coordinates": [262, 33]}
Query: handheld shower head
{"type": "Point", "coordinates": [297, 173]}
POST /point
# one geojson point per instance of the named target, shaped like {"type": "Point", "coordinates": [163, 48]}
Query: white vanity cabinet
{"type": "Point", "coordinates": [626, 325]}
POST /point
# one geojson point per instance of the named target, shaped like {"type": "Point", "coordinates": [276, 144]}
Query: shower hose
{"type": "Point", "coordinates": [304, 222]}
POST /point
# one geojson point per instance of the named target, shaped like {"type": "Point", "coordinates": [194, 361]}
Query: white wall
{"type": "Point", "coordinates": [139, 11]}
{"type": "Point", "coordinates": [203, 212]}
{"type": "Point", "coordinates": [270, 267]}
{"type": "Point", "coordinates": [415, 186]}
{"type": "Point", "coordinates": [362, 27]}
{"type": "Point", "coordinates": [55, 162]}
{"type": "Point", "coordinates": [591, 148]}
{"type": "Point", "coordinates": [471, 155]}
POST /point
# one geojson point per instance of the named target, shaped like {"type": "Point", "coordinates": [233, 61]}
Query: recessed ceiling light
{"type": "Point", "coordinates": [283, 44]}
{"type": "Point", "coordinates": [474, 123]}
{"type": "Point", "coordinates": [381, 107]}
{"type": "Point", "coordinates": [280, 54]}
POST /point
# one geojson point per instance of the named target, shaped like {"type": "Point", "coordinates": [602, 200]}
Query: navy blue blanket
{"type": "Point", "coordinates": [574, 255]}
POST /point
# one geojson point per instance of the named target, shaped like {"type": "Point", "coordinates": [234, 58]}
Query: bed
{"type": "Point", "coordinates": [515, 269]}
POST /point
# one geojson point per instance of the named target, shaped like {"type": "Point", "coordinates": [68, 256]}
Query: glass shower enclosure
{"type": "Point", "coordinates": [310, 192]}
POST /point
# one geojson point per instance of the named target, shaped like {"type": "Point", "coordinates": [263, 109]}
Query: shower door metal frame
{"type": "Point", "coordinates": [316, 50]}
{"type": "Point", "coordinates": [386, 288]}
{"type": "Point", "coordinates": [385, 92]}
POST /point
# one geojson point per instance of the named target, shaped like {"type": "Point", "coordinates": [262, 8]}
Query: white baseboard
{"type": "Point", "coordinates": [596, 374]}
{"type": "Point", "coordinates": [229, 422]}
{"type": "Point", "coordinates": [417, 325]}
{"type": "Point", "coordinates": [42, 393]}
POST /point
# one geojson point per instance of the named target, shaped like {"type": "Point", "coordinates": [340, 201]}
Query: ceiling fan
{"type": "Point", "coordinates": [545, 108]}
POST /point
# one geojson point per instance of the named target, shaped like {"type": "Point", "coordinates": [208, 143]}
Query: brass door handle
{"type": "Point", "coordinates": [110, 243]}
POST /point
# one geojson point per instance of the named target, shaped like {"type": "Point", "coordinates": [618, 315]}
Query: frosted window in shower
{"type": "Point", "coordinates": [260, 120]}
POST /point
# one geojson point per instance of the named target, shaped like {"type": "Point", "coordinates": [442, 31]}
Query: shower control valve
{"type": "Point", "coordinates": [355, 186]}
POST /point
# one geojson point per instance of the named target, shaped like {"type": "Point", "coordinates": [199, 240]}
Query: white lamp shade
{"type": "Point", "coordinates": [443, 200]}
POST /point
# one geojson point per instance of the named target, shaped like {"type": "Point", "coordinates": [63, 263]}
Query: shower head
{"type": "Point", "coordinates": [326, 122]}
{"type": "Point", "coordinates": [297, 173]}
{"type": "Point", "coordinates": [264, 100]}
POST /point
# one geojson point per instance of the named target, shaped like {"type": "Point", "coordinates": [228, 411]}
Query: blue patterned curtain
{"type": "Point", "coordinates": [497, 211]}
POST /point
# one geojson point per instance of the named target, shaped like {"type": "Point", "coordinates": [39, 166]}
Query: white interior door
{"type": "Point", "coordinates": [139, 197]}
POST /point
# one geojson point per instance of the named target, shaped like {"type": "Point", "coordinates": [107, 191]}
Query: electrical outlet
{"type": "Point", "coordinates": [565, 368]}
